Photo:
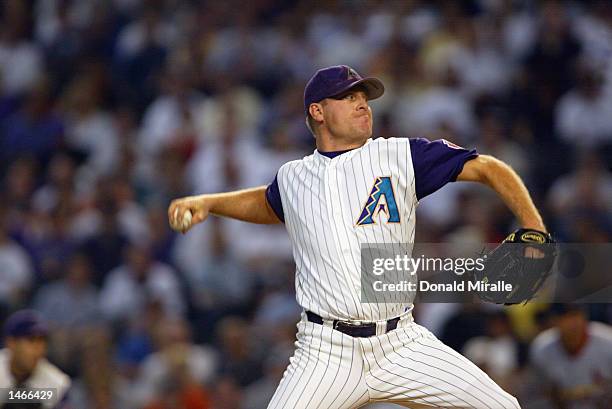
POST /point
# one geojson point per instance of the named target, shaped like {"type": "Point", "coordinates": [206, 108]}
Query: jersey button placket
{"type": "Point", "coordinates": [335, 206]}
{"type": "Point", "coordinates": [331, 187]}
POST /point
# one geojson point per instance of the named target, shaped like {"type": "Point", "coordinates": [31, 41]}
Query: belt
{"type": "Point", "coordinates": [357, 330]}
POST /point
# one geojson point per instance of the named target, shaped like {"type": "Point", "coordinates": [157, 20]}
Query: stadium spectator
{"type": "Point", "coordinates": [16, 271]}
{"type": "Point", "coordinates": [581, 113]}
{"type": "Point", "coordinates": [137, 282]}
{"type": "Point", "coordinates": [177, 371]}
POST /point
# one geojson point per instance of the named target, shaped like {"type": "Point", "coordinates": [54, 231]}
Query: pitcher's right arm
{"type": "Point", "coordinates": [249, 205]}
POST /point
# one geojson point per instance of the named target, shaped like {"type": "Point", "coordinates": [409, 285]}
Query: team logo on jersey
{"type": "Point", "coordinates": [381, 200]}
{"type": "Point", "coordinates": [450, 144]}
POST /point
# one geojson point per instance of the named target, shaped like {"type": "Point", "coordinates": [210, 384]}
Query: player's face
{"type": "Point", "coordinates": [349, 117]}
{"type": "Point", "coordinates": [572, 327]}
{"type": "Point", "coordinates": [26, 352]}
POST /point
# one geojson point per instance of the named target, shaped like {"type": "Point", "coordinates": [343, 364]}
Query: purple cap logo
{"type": "Point", "coordinates": [332, 81]}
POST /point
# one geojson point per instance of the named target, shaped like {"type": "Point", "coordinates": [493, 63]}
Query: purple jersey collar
{"type": "Point", "coordinates": [333, 154]}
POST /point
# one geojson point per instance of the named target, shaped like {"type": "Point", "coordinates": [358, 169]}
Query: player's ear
{"type": "Point", "coordinates": [316, 111]}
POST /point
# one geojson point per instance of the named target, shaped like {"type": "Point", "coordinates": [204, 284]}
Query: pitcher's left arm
{"type": "Point", "coordinates": [503, 179]}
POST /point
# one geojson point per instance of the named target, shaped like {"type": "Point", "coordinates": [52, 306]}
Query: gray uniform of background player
{"type": "Point", "coordinates": [573, 364]}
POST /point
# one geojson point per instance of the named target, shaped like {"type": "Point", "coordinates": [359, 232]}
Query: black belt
{"type": "Point", "coordinates": [362, 330]}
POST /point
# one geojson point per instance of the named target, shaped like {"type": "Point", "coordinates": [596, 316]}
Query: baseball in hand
{"type": "Point", "coordinates": [186, 219]}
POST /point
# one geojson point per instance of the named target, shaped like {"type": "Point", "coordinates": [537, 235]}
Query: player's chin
{"type": "Point", "coordinates": [364, 132]}
{"type": "Point", "coordinates": [362, 129]}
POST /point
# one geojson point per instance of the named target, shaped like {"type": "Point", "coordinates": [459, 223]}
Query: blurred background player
{"type": "Point", "coordinates": [573, 361]}
{"type": "Point", "coordinates": [23, 363]}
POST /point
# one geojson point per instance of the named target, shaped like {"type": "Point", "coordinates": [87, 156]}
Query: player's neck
{"type": "Point", "coordinates": [329, 144]}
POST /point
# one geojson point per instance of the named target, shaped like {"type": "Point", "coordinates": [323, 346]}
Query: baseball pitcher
{"type": "Point", "coordinates": [350, 191]}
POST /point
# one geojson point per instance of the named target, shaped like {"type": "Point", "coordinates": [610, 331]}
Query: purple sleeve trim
{"type": "Point", "coordinates": [274, 199]}
{"type": "Point", "coordinates": [436, 163]}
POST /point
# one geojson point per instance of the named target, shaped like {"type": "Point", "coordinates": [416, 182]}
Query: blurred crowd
{"type": "Point", "coordinates": [111, 109]}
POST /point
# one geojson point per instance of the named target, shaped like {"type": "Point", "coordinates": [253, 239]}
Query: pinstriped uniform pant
{"type": "Point", "coordinates": [408, 366]}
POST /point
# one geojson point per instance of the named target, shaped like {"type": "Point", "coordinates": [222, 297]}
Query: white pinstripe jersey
{"type": "Point", "coordinates": [333, 205]}
{"type": "Point", "coordinates": [322, 200]}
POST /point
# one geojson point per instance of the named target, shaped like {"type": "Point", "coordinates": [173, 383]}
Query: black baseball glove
{"type": "Point", "coordinates": [516, 269]}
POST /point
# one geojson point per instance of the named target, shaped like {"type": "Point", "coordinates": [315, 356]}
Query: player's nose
{"type": "Point", "coordinates": [362, 102]}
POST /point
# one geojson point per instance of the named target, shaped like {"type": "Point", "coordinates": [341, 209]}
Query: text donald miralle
{"type": "Point", "coordinates": [411, 265]}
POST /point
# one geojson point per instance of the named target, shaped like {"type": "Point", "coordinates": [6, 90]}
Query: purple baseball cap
{"type": "Point", "coordinates": [331, 81]}
{"type": "Point", "coordinates": [24, 324]}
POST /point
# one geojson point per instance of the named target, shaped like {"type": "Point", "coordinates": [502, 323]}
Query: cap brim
{"type": "Point", "coordinates": [374, 87]}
